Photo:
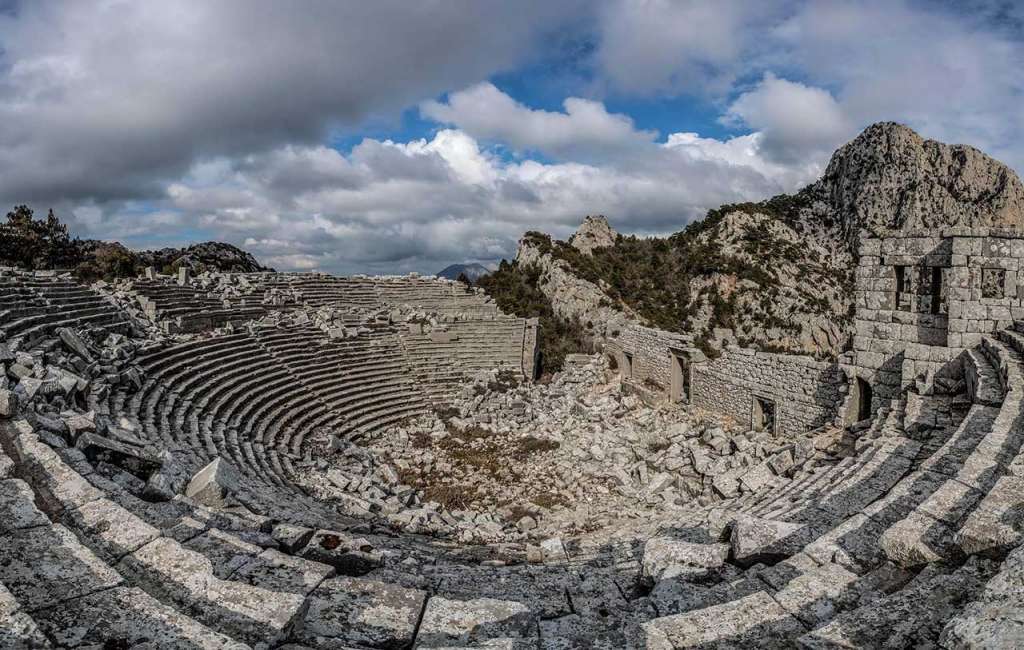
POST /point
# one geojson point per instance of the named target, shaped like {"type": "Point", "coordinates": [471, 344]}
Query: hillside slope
{"type": "Point", "coordinates": [779, 273]}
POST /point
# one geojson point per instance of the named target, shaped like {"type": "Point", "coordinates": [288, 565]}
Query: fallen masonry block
{"type": "Point", "coordinates": [756, 540]}
{"type": "Point", "coordinates": [291, 537]}
{"type": "Point", "coordinates": [214, 484]}
{"type": "Point", "coordinates": [455, 622]}
{"type": "Point", "coordinates": [75, 343]}
{"type": "Point", "coordinates": [665, 557]}
{"type": "Point", "coordinates": [8, 403]}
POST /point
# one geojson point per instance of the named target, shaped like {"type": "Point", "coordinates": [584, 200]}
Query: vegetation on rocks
{"type": "Point", "coordinates": [747, 267]}
{"type": "Point", "coordinates": [516, 290]}
{"type": "Point", "coordinates": [32, 244]}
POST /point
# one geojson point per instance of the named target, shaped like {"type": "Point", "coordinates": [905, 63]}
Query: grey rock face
{"type": "Point", "coordinates": [890, 178]}
{"type": "Point", "coordinates": [593, 233]}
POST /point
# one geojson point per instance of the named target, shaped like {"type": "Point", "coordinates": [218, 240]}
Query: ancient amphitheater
{"type": "Point", "coordinates": [304, 461]}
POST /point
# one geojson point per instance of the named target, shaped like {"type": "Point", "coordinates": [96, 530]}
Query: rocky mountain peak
{"type": "Point", "coordinates": [889, 179]}
{"type": "Point", "coordinates": [593, 233]}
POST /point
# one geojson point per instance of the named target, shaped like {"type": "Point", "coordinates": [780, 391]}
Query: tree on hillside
{"type": "Point", "coordinates": [37, 243]}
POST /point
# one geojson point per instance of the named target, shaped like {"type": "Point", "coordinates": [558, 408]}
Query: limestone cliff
{"type": "Point", "coordinates": [890, 178]}
{"type": "Point", "coordinates": [779, 272]}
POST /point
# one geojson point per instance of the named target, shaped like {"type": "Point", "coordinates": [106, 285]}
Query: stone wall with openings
{"type": "Point", "coordinates": [803, 392]}
{"type": "Point", "coordinates": [644, 354]}
{"type": "Point", "coordinates": [921, 300]}
{"type": "Point", "coordinates": [902, 299]}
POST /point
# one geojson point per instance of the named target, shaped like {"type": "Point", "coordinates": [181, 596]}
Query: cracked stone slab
{"type": "Point", "coordinates": [46, 565]}
{"type": "Point", "coordinates": [17, 507]}
{"type": "Point", "coordinates": [278, 571]}
{"type": "Point", "coordinates": [17, 628]}
{"type": "Point", "coordinates": [175, 574]}
{"type": "Point", "coordinates": [361, 612]}
{"type": "Point", "coordinates": [451, 622]}
{"type": "Point", "coordinates": [755, 620]}
{"type": "Point", "coordinates": [127, 617]}
{"type": "Point", "coordinates": [109, 530]}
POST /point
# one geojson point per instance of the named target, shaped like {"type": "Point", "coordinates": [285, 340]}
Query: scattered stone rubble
{"type": "Point", "coordinates": [509, 462]}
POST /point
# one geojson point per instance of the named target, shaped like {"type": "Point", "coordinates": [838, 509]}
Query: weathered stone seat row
{"type": "Point", "coordinates": [37, 307]}
{"type": "Point", "coordinates": [104, 575]}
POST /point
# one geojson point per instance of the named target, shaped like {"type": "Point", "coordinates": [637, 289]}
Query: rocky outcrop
{"type": "Point", "coordinates": [890, 178]}
{"type": "Point", "coordinates": [207, 256]}
{"type": "Point", "coordinates": [593, 233]}
{"type": "Point", "coordinates": [574, 298]}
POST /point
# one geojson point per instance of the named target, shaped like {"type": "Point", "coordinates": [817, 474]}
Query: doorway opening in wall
{"type": "Point", "coordinates": [938, 294]}
{"type": "Point", "coordinates": [626, 367]}
{"type": "Point", "coordinates": [763, 418]}
{"type": "Point", "coordinates": [680, 385]}
{"type": "Point", "coordinates": [863, 399]}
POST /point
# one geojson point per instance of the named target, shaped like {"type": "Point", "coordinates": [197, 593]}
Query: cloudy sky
{"type": "Point", "coordinates": [391, 135]}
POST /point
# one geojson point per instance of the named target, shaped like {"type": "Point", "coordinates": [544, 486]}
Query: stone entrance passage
{"type": "Point", "coordinates": [863, 399]}
{"type": "Point", "coordinates": [679, 390]}
{"type": "Point", "coordinates": [626, 366]}
{"type": "Point", "coordinates": [763, 417]}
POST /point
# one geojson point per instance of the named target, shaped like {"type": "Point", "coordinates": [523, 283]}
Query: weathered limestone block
{"type": "Point", "coordinates": [361, 612]}
{"type": "Point", "coordinates": [17, 629]}
{"type": "Point", "coordinates": [129, 616]}
{"type": "Point", "coordinates": [214, 484]}
{"type": "Point", "coordinates": [755, 620]}
{"type": "Point", "coordinates": [755, 539]}
{"type": "Point", "coordinates": [665, 557]}
{"type": "Point", "coordinates": [17, 508]}
{"type": "Point", "coordinates": [174, 574]}
{"type": "Point", "coordinates": [910, 617]}
{"type": "Point", "coordinates": [996, 618]}
{"type": "Point", "coordinates": [998, 521]}
{"type": "Point", "coordinates": [46, 565]}
{"type": "Point", "coordinates": [109, 530]}
{"type": "Point", "coordinates": [291, 537]}
{"type": "Point", "coordinates": [448, 623]}
{"type": "Point", "coordinates": [8, 403]}
{"type": "Point", "coordinates": [811, 593]}
{"type": "Point", "coordinates": [226, 552]}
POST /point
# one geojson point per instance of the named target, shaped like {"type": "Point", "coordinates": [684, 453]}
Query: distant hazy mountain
{"type": "Point", "coordinates": [473, 271]}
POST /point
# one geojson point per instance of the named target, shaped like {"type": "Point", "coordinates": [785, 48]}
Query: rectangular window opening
{"type": "Point", "coordinates": [938, 291]}
{"type": "Point", "coordinates": [993, 283]}
{"type": "Point", "coordinates": [902, 299]}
